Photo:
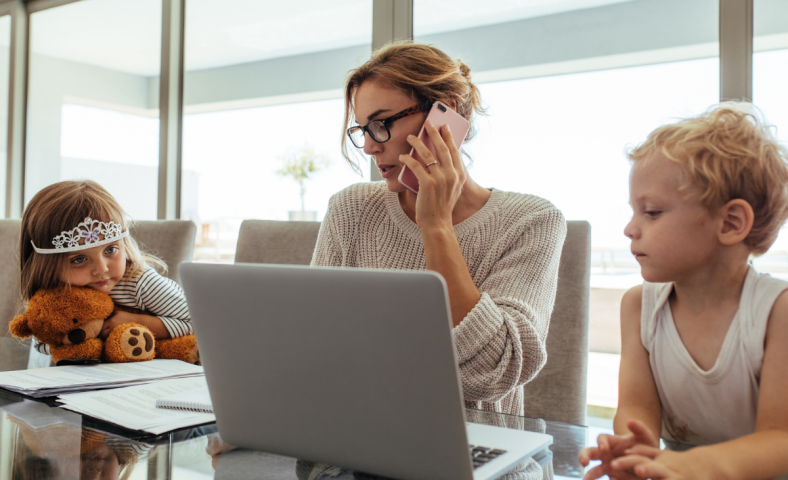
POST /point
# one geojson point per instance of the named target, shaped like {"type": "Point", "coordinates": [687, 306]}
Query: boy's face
{"type": "Point", "coordinates": [671, 235]}
{"type": "Point", "coordinates": [100, 268]}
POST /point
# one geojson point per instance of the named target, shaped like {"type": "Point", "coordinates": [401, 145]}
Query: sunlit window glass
{"type": "Point", "coordinates": [93, 99]}
{"type": "Point", "coordinates": [263, 112]}
{"type": "Point", "coordinates": [569, 86]}
{"type": "Point", "coordinates": [770, 77]}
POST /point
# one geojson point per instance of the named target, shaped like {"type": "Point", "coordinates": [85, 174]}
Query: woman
{"type": "Point", "coordinates": [498, 251]}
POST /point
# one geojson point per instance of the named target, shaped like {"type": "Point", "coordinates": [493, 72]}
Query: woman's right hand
{"type": "Point", "coordinates": [440, 183]}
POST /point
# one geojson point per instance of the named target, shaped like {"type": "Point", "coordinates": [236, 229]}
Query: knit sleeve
{"type": "Point", "coordinates": [165, 299]}
{"type": "Point", "coordinates": [501, 342]}
{"type": "Point", "coordinates": [328, 251]}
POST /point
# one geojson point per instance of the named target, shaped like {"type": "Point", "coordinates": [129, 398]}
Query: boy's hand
{"type": "Point", "coordinates": [611, 447]}
{"type": "Point", "coordinates": [653, 463]}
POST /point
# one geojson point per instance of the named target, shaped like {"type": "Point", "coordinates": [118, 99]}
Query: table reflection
{"type": "Point", "coordinates": [51, 443]}
{"type": "Point", "coordinates": [39, 440]}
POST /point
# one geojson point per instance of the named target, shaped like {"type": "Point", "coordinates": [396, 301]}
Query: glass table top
{"type": "Point", "coordinates": [39, 440]}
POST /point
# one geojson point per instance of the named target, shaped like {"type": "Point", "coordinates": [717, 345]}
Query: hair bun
{"type": "Point", "coordinates": [465, 70]}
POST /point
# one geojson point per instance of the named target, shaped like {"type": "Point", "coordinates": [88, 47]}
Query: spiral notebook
{"type": "Point", "coordinates": [198, 400]}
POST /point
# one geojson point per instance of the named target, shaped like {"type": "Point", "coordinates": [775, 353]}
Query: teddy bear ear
{"type": "Point", "coordinates": [19, 327]}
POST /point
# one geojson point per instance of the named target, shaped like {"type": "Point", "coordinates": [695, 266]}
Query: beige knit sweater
{"type": "Point", "coordinates": [512, 247]}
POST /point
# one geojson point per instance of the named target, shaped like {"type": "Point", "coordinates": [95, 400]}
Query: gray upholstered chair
{"type": "Point", "coordinates": [559, 391]}
{"type": "Point", "coordinates": [13, 352]}
{"type": "Point", "coordinates": [270, 241]}
{"type": "Point", "coordinates": [170, 240]}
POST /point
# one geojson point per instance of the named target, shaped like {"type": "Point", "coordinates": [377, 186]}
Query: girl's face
{"type": "Point", "coordinates": [100, 463]}
{"type": "Point", "coordinates": [100, 268]}
{"type": "Point", "coordinates": [375, 102]}
{"type": "Point", "coordinates": [671, 235]}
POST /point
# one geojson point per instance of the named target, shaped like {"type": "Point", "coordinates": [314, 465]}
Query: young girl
{"type": "Point", "coordinates": [704, 362]}
{"type": "Point", "coordinates": [75, 233]}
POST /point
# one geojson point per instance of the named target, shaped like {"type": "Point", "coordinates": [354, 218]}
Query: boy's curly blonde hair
{"type": "Point", "coordinates": [726, 153]}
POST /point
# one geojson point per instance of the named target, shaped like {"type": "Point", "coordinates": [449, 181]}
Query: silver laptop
{"type": "Point", "coordinates": [347, 367]}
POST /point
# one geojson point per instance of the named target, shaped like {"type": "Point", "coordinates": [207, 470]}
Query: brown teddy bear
{"type": "Point", "coordinates": [69, 320]}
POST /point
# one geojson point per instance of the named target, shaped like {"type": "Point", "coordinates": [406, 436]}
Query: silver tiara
{"type": "Point", "coordinates": [88, 231]}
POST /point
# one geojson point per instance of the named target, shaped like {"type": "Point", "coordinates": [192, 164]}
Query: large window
{"type": "Point", "coordinates": [770, 77]}
{"type": "Point", "coordinates": [579, 87]}
{"type": "Point", "coordinates": [569, 86]}
{"type": "Point", "coordinates": [263, 87]}
{"type": "Point", "coordinates": [93, 99]}
{"type": "Point", "coordinates": [5, 42]}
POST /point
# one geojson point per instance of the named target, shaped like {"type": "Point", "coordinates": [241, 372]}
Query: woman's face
{"type": "Point", "coordinates": [375, 102]}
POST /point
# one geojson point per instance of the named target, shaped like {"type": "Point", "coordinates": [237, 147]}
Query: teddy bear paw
{"type": "Point", "coordinates": [130, 342]}
{"type": "Point", "coordinates": [137, 343]}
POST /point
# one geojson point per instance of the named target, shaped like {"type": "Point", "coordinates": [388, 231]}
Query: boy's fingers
{"type": "Point", "coordinates": [627, 462]}
{"type": "Point", "coordinates": [588, 454]}
{"type": "Point", "coordinates": [596, 472]}
{"type": "Point", "coordinates": [642, 433]}
{"type": "Point", "coordinates": [652, 469]}
{"type": "Point", "coordinates": [643, 467]}
{"type": "Point", "coordinates": [644, 451]}
{"type": "Point", "coordinates": [603, 442]}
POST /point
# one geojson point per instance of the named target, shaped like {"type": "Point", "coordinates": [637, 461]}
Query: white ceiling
{"type": "Point", "coordinates": [126, 34]}
{"type": "Point", "coordinates": [435, 16]}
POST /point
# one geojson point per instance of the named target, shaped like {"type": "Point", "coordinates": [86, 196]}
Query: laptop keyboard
{"type": "Point", "coordinates": [481, 455]}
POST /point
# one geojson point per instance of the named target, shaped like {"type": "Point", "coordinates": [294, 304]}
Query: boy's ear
{"type": "Point", "coordinates": [737, 219]}
{"type": "Point", "coordinates": [19, 327]}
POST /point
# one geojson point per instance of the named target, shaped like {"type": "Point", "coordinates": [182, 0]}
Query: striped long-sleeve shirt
{"type": "Point", "coordinates": [154, 294]}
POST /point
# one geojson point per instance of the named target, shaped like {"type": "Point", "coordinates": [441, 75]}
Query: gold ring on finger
{"type": "Point", "coordinates": [433, 163]}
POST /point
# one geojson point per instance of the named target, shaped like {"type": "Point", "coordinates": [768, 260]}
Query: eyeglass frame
{"type": "Point", "coordinates": [418, 108]}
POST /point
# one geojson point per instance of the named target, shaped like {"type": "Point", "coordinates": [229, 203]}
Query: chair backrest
{"type": "Point", "coordinates": [170, 240]}
{"type": "Point", "coordinates": [13, 352]}
{"type": "Point", "coordinates": [270, 241]}
{"type": "Point", "coordinates": [559, 391]}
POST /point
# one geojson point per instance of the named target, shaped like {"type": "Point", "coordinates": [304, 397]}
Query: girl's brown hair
{"type": "Point", "coordinates": [421, 71]}
{"type": "Point", "coordinates": [60, 207]}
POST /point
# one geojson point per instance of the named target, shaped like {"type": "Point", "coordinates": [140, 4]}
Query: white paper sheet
{"type": "Point", "coordinates": [135, 407]}
{"type": "Point", "coordinates": [55, 380]}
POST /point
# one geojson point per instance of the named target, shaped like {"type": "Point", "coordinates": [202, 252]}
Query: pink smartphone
{"type": "Point", "coordinates": [439, 115]}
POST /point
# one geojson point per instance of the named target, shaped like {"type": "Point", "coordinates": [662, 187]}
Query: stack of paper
{"type": "Point", "coordinates": [46, 382]}
{"type": "Point", "coordinates": [135, 407]}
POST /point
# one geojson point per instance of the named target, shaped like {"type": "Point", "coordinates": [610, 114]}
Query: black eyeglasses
{"type": "Point", "coordinates": [378, 130]}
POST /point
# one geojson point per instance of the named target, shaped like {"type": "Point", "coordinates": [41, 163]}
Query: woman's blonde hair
{"type": "Point", "coordinates": [727, 153]}
{"type": "Point", "coordinates": [60, 207]}
{"type": "Point", "coordinates": [424, 73]}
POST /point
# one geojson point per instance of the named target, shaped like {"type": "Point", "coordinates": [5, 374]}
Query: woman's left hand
{"type": "Point", "coordinates": [440, 183]}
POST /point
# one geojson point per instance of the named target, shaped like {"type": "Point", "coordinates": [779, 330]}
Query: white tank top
{"type": "Point", "coordinates": [702, 407]}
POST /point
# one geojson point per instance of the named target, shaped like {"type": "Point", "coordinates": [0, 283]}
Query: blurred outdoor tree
{"type": "Point", "coordinates": [302, 163]}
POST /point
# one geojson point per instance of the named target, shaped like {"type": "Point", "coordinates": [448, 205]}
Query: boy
{"type": "Point", "coordinates": [704, 361]}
